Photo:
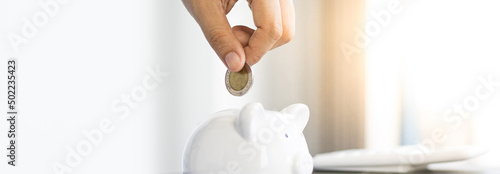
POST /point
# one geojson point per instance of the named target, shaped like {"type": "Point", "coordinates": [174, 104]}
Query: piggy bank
{"type": "Point", "coordinates": [250, 141]}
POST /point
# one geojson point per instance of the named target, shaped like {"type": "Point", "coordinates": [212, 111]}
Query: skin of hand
{"type": "Point", "coordinates": [274, 19]}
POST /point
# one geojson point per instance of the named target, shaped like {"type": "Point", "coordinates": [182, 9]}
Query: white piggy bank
{"type": "Point", "coordinates": [250, 141]}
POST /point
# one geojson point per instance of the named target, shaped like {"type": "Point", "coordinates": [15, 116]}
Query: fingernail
{"type": "Point", "coordinates": [232, 60]}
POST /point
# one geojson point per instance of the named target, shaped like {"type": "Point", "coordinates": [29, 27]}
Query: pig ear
{"type": "Point", "coordinates": [249, 119]}
{"type": "Point", "coordinates": [299, 114]}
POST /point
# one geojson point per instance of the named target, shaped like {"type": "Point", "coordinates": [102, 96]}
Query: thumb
{"type": "Point", "coordinates": [228, 47]}
{"type": "Point", "coordinates": [219, 34]}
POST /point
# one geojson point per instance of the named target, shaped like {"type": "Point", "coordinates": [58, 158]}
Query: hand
{"type": "Point", "coordinates": [274, 19]}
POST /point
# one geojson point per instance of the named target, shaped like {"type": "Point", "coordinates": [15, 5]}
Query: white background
{"type": "Point", "coordinates": [92, 52]}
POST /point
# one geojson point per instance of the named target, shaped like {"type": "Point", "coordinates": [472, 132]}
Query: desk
{"type": "Point", "coordinates": [421, 172]}
{"type": "Point", "coordinates": [417, 172]}
{"type": "Point", "coordinates": [424, 172]}
{"type": "Point", "coordinates": [459, 167]}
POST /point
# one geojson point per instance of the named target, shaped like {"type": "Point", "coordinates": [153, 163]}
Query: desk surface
{"type": "Point", "coordinates": [459, 167]}
{"type": "Point", "coordinates": [423, 172]}
{"type": "Point", "coordinates": [416, 172]}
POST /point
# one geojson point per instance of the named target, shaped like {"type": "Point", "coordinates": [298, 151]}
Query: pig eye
{"type": "Point", "coordinates": [286, 135]}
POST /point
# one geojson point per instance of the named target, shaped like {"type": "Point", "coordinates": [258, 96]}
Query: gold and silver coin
{"type": "Point", "coordinates": [238, 83]}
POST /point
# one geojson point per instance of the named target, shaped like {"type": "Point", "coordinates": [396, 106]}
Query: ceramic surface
{"type": "Point", "coordinates": [250, 141]}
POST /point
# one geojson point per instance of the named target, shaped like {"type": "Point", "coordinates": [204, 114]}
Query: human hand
{"type": "Point", "coordinates": [274, 19]}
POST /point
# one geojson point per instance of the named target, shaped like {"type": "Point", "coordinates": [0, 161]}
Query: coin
{"type": "Point", "coordinates": [238, 83]}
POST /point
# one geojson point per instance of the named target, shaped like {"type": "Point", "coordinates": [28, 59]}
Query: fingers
{"type": "Point", "coordinates": [211, 16]}
{"type": "Point", "coordinates": [277, 29]}
{"type": "Point", "coordinates": [275, 21]}
{"type": "Point", "coordinates": [267, 18]}
{"type": "Point", "coordinates": [243, 33]}
{"type": "Point", "coordinates": [230, 5]}
{"type": "Point", "coordinates": [288, 22]}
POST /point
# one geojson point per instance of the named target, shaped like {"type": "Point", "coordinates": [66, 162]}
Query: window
{"type": "Point", "coordinates": [433, 66]}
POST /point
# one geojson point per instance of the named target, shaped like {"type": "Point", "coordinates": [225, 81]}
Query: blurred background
{"type": "Point", "coordinates": [374, 73]}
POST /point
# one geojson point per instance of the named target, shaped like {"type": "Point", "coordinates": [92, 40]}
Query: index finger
{"type": "Point", "coordinates": [211, 17]}
{"type": "Point", "coordinates": [267, 19]}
